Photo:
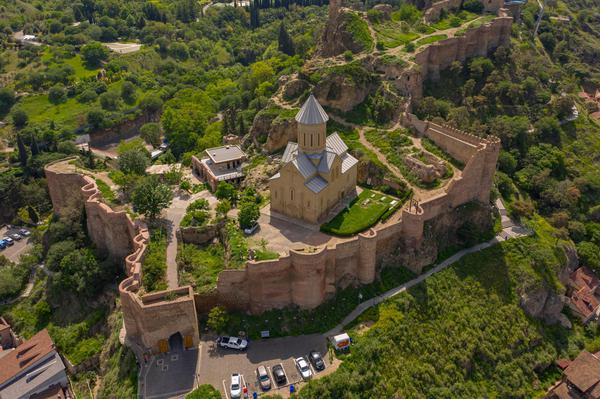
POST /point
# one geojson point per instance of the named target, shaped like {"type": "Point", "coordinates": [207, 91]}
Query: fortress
{"type": "Point", "coordinates": [307, 275]}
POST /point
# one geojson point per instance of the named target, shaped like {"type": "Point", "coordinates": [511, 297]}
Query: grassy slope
{"type": "Point", "coordinates": [461, 334]}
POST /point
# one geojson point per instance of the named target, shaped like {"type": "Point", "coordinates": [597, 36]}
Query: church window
{"type": "Point", "coordinates": [311, 140]}
{"type": "Point", "coordinates": [292, 194]}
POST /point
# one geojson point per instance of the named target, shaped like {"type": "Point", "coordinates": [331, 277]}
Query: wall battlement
{"type": "Point", "coordinates": [149, 319]}
{"type": "Point", "coordinates": [307, 277]}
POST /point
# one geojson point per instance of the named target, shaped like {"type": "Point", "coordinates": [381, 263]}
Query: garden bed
{"type": "Point", "coordinates": [365, 211]}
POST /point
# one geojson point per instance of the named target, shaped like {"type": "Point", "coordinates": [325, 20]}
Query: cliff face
{"type": "Point", "coordinates": [345, 31]}
{"type": "Point", "coordinates": [274, 129]}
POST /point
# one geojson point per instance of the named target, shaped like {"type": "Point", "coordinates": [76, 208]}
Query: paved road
{"type": "Point", "coordinates": [512, 231]}
{"type": "Point", "coordinates": [173, 215]}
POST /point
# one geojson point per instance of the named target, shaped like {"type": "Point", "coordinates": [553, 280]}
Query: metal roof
{"type": "Point", "coordinates": [312, 113]}
{"type": "Point", "coordinates": [290, 152]}
{"type": "Point", "coordinates": [316, 184]}
{"type": "Point", "coordinates": [335, 144]}
{"type": "Point", "coordinates": [304, 165]}
{"type": "Point", "coordinates": [348, 161]}
{"type": "Point", "coordinates": [326, 162]}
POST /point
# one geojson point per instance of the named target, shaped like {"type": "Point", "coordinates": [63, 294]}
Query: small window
{"type": "Point", "coordinates": [311, 140]}
{"type": "Point", "coordinates": [308, 204]}
{"type": "Point", "coordinates": [292, 194]}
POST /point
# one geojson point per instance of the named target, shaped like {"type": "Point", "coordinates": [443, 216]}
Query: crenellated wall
{"type": "Point", "coordinates": [149, 319]}
{"type": "Point", "coordinates": [440, 55]}
{"type": "Point", "coordinates": [308, 276]}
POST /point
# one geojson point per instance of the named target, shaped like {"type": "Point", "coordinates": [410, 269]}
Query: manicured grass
{"type": "Point", "coordinates": [461, 17]}
{"type": "Point", "coordinates": [431, 39]}
{"type": "Point", "coordinates": [364, 212]}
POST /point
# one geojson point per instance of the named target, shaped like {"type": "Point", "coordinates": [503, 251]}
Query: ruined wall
{"type": "Point", "coordinates": [308, 276]}
{"type": "Point", "coordinates": [475, 42]}
{"type": "Point", "coordinates": [432, 14]}
{"type": "Point", "coordinates": [148, 319]}
{"type": "Point", "coordinates": [440, 55]}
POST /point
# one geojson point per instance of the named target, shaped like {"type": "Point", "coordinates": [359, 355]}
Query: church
{"type": "Point", "coordinates": [316, 173]}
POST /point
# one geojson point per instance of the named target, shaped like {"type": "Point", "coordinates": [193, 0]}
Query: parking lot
{"type": "Point", "coordinates": [217, 364]}
{"type": "Point", "coordinates": [14, 251]}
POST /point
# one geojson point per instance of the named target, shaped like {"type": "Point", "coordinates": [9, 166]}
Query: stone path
{"type": "Point", "coordinates": [173, 216]}
{"type": "Point", "coordinates": [512, 231]}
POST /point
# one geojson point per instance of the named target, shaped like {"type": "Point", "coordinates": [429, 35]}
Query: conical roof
{"type": "Point", "coordinates": [311, 113]}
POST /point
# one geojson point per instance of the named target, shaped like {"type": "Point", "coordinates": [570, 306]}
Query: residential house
{"type": "Point", "coordinates": [580, 379]}
{"type": "Point", "coordinates": [33, 370]}
{"type": "Point", "coordinates": [220, 164]}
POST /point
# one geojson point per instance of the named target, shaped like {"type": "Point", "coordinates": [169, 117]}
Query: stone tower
{"type": "Point", "coordinates": [312, 127]}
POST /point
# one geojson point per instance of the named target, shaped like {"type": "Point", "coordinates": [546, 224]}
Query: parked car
{"type": "Point", "coordinates": [263, 378]}
{"type": "Point", "coordinates": [303, 368]}
{"type": "Point", "coordinates": [24, 232]}
{"type": "Point", "coordinates": [235, 389]}
{"type": "Point", "coordinates": [3, 244]}
{"type": "Point", "coordinates": [8, 240]}
{"type": "Point", "coordinates": [15, 236]}
{"type": "Point", "coordinates": [250, 230]}
{"type": "Point", "coordinates": [232, 343]}
{"type": "Point", "coordinates": [316, 360]}
{"type": "Point", "coordinates": [278, 374]}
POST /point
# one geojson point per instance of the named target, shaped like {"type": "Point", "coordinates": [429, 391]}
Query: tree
{"type": "Point", "coordinates": [23, 155]}
{"type": "Point", "coordinates": [150, 197]}
{"type": "Point", "coordinates": [548, 129]}
{"type": "Point", "coordinates": [217, 319]}
{"type": "Point", "coordinates": [128, 92]}
{"type": "Point", "coordinates": [19, 118]}
{"type": "Point", "coordinates": [7, 100]}
{"type": "Point", "coordinates": [223, 207]}
{"type": "Point", "coordinates": [286, 45]}
{"type": "Point", "coordinates": [57, 94]}
{"type": "Point", "coordinates": [249, 214]}
{"type": "Point", "coordinates": [150, 132]}
{"type": "Point", "coordinates": [475, 6]}
{"type": "Point", "coordinates": [93, 54]}
{"type": "Point", "coordinates": [134, 161]}
{"type": "Point", "coordinates": [151, 103]}
{"type": "Point", "coordinates": [226, 191]}
{"type": "Point", "coordinates": [109, 101]}
{"type": "Point", "coordinates": [96, 118]}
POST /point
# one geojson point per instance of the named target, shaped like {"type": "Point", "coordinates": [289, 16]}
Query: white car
{"type": "Point", "coordinates": [232, 343]}
{"type": "Point", "coordinates": [302, 366]}
{"type": "Point", "coordinates": [9, 241]}
{"type": "Point", "coordinates": [235, 389]}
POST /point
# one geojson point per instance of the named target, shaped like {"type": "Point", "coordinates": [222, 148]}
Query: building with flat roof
{"type": "Point", "coordinates": [220, 164]}
{"type": "Point", "coordinates": [32, 368]}
{"type": "Point", "coordinates": [316, 173]}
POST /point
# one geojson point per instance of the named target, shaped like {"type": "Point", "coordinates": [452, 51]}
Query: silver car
{"type": "Point", "coordinates": [263, 378]}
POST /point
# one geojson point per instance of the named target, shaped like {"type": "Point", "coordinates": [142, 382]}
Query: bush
{"type": "Point", "coordinates": [204, 391]}
{"type": "Point", "coordinates": [409, 47]}
{"type": "Point", "coordinates": [154, 266]}
{"type": "Point", "coordinates": [475, 6]}
{"type": "Point", "coordinates": [57, 94]}
{"type": "Point", "coordinates": [218, 319]}
{"type": "Point", "coordinates": [93, 54]}
{"type": "Point", "coordinates": [150, 132]}
{"type": "Point", "coordinates": [87, 96]}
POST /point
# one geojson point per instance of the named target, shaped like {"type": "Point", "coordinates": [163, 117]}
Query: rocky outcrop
{"type": "Point", "coordinates": [544, 304]}
{"type": "Point", "coordinates": [345, 31]}
{"type": "Point", "coordinates": [273, 128]}
{"type": "Point", "coordinates": [346, 86]}
{"type": "Point", "coordinates": [294, 87]}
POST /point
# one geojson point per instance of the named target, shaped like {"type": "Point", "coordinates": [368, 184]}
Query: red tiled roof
{"type": "Point", "coordinates": [584, 371]}
{"type": "Point", "coordinates": [584, 277]}
{"type": "Point", "coordinates": [25, 355]}
{"type": "Point", "coordinates": [563, 363]}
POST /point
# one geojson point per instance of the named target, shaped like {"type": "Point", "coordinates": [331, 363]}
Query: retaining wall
{"type": "Point", "coordinates": [148, 319]}
{"type": "Point", "coordinates": [307, 277]}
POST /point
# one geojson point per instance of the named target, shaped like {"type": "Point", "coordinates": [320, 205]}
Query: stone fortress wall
{"type": "Point", "coordinates": [440, 55]}
{"type": "Point", "coordinates": [149, 319]}
{"type": "Point", "coordinates": [307, 276]}
{"type": "Point", "coordinates": [433, 12]}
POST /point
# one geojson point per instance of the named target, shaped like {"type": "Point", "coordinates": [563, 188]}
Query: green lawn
{"type": "Point", "coordinates": [390, 35]}
{"type": "Point", "coordinates": [364, 212]}
{"type": "Point", "coordinates": [431, 39]}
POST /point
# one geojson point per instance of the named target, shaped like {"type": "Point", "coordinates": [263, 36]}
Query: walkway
{"type": "Point", "coordinates": [173, 216]}
{"type": "Point", "coordinates": [512, 231]}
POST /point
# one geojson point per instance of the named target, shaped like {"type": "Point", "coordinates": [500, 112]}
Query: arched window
{"type": "Point", "coordinates": [311, 140]}
{"type": "Point", "coordinates": [292, 194]}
